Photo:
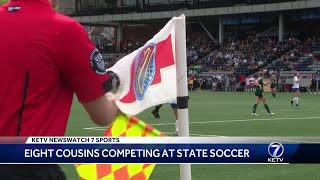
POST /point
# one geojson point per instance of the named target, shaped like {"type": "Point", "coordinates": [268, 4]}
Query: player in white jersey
{"type": "Point", "coordinates": [250, 84]}
{"type": "Point", "coordinates": [174, 107]}
{"type": "Point", "coordinates": [175, 110]}
{"type": "Point", "coordinates": [296, 89]}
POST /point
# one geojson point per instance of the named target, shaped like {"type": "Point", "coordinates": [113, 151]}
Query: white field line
{"type": "Point", "coordinates": [212, 135]}
{"type": "Point", "coordinates": [203, 135]}
{"type": "Point", "coordinates": [222, 121]}
{"type": "Point", "coordinates": [239, 120]}
{"type": "Point", "coordinates": [170, 133]}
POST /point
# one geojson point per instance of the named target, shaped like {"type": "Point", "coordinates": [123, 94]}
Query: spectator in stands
{"type": "Point", "coordinates": [227, 83]}
{"type": "Point", "coordinates": [125, 46]}
{"type": "Point", "coordinates": [313, 86]}
{"type": "Point", "coordinates": [130, 46]}
{"type": "Point", "coordinates": [318, 79]}
{"type": "Point", "coordinates": [191, 82]}
{"type": "Point", "coordinates": [204, 84]}
{"type": "Point", "coordinates": [214, 83]}
{"type": "Point", "coordinates": [242, 82]}
{"type": "Point", "coordinates": [233, 82]}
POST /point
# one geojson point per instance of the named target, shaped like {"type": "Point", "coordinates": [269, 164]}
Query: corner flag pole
{"type": "Point", "coordinates": [182, 87]}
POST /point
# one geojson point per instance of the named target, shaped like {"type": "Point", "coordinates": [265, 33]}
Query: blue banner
{"type": "Point", "coordinates": [160, 153]}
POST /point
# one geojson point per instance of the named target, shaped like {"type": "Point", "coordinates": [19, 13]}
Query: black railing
{"type": "Point", "coordinates": [172, 5]}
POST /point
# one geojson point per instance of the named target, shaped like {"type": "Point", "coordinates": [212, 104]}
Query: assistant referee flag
{"type": "Point", "coordinates": [123, 126]}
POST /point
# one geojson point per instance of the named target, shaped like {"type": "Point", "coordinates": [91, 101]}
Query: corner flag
{"type": "Point", "coordinates": [148, 75]}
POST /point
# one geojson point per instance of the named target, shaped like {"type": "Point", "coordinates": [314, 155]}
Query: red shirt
{"type": "Point", "coordinates": [45, 58]}
{"type": "Point", "coordinates": [242, 78]}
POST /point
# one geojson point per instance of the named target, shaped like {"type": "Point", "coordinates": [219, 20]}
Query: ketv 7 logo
{"type": "Point", "coordinates": [275, 150]}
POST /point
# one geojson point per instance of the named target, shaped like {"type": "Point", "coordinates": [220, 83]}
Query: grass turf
{"type": "Point", "coordinates": [227, 114]}
{"type": "Point", "coordinates": [3, 1]}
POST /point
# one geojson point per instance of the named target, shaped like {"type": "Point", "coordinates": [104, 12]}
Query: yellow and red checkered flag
{"type": "Point", "coordinates": [122, 126]}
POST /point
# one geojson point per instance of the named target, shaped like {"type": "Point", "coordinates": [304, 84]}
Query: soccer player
{"type": "Point", "coordinates": [46, 58]}
{"type": "Point", "coordinates": [155, 112]}
{"type": "Point", "coordinates": [260, 96]}
{"type": "Point", "coordinates": [173, 105]}
{"type": "Point", "coordinates": [296, 89]}
{"type": "Point", "coordinates": [273, 85]}
{"type": "Point", "coordinates": [250, 84]}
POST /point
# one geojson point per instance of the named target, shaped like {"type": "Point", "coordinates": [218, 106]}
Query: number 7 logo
{"type": "Point", "coordinates": [275, 149]}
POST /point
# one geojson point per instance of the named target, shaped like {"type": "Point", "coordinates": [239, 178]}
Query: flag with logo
{"type": "Point", "coordinates": [148, 75]}
{"type": "Point", "coordinates": [123, 126]}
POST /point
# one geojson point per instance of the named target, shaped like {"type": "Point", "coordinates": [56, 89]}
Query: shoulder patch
{"type": "Point", "coordinates": [97, 63]}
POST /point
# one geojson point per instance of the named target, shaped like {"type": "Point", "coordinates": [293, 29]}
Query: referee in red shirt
{"type": "Point", "coordinates": [46, 58]}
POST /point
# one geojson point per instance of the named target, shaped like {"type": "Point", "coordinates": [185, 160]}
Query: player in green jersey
{"type": "Point", "coordinates": [260, 96]}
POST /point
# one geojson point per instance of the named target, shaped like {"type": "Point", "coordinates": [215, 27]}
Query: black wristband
{"type": "Point", "coordinates": [182, 102]}
{"type": "Point", "coordinates": [107, 85]}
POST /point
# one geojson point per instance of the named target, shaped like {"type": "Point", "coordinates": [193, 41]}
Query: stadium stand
{"type": "Point", "coordinates": [168, 6]}
{"type": "Point", "coordinates": [245, 56]}
{"type": "Point", "coordinates": [250, 43]}
{"type": "Point", "coordinates": [301, 58]}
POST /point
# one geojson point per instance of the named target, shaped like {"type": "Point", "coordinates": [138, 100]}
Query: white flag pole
{"type": "Point", "coordinates": [182, 87]}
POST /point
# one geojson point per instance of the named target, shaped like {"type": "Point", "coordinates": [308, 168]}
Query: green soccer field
{"type": "Point", "coordinates": [226, 114]}
{"type": "Point", "coordinates": [3, 1]}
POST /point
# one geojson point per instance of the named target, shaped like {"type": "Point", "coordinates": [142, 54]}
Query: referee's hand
{"type": "Point", "coordinates": [111, 96]}
{"type": "Point", "coordinates": [104, 110]}
{"type": "Point", "coordinates": [112, 106]}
